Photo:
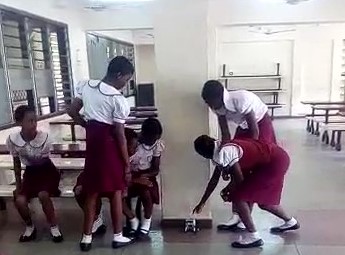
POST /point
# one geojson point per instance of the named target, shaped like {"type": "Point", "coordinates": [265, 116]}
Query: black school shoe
{"type": "Point", "coordinates": [280, 230]}
{"type": "Point", "coordinates": [85, 247]}
{"type": "Point", "coordinates": [255, 244]}
{"type": "Point", "coordinates": [101, 230]}
{"type": "Point", "coordinates": [57, 239]}
{"type": "Point", "coordinates": [32, 237]}
{"type": "Point", "coordinates": [117, 245]}
{"type": "Point", "coordinates": [229, 228]}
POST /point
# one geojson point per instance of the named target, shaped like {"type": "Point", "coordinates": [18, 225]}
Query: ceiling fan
{"type": "Point", "coordinates": [269, 31]}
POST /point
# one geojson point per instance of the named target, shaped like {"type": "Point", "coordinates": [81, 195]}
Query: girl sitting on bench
{"type": "Point", "coordinates": [31, 147]}
{"type": "Point", "coordinates": [145, 166]}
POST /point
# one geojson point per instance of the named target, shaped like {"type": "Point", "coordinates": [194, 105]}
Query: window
{"type": "Point", "coordinates": [35, 62]}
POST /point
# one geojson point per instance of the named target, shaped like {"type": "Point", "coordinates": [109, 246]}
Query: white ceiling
{"type": "Point", "coordinates": [99, 5]}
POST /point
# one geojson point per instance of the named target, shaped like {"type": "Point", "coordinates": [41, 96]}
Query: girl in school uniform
{"type": "Point", "coordinates": [245, 109]}
{"type": "Point", "coordinates": [145, 166]}
{"type": "Point", "coordinates": [257, 171]}
{"type": "Point", "coordinates": [99, 227]}
{"type": "Point", "coordinates": [242, 107]}
{"type": "Point", "coordinates": [31, 148]}
{"type": "Point", "coordinates": [106, 171]}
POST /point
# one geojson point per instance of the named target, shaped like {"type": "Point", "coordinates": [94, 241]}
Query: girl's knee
{"type": "Point", "coordinates": [43, 196]}
{"type": "Point", "coordinates": [21, 200]}
{"type": "Point", "coordinates": [264, 207]}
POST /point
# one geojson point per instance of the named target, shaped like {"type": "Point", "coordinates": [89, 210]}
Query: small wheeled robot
{"type": "Point", "coordinates": [191, 226]}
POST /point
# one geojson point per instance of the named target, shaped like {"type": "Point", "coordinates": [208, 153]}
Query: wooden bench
{"type": "Point", "coordinates": [6, 191]}
{"type": "Point", "coordinates": [273, 107]}
{"type": "Point", "coordinates": [146, 114]}
{"type": "Point", "coordinates": [143, 109]}
{"type": "Point", "coordinates": [322, 120]}
{"type": "Point", "coordinates": [336, 130]}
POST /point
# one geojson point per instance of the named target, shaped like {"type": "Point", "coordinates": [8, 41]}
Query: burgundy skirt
{"type": "Point", "coordinates": [104, 166]}
{"type": "Point", "coordinates": [264, 184]}
{"type": "Point", "coordinates": [266, 131]}
{"type": "Point", "coordinates": [37, 178]}
{"type": "Point", "coordinates": [136, 190]}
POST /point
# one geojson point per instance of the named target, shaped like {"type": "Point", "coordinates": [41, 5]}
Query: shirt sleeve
{"type": "Point", "coordinates": [159, 148]}
{"type": "Point", "coordinates": [11, 147]}
{"type": "Point", "coordinates": [121, 109]}
{"type": "Point", "coordinates": [243, 102]}
{"type": "Point", "coordinates": [229, 155]}
{"type": "Point", "coordinates": [79, 89]}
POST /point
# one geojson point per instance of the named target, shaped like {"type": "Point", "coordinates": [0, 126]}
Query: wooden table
{"type": "Point", "coordinates": [146, 114]}
{"type": "Point", "coordinates": [71, 150]}
{"type": "Point", "coordinates": [323, 102]}
{"type": "Point", "coordinates": [6, 163]}
{"type": "Point", "coordinates": [68, 122]}
{"type": "Point", "coordinates": [327, 109]}
{"type": "Point", "coordinates": [143, 108]}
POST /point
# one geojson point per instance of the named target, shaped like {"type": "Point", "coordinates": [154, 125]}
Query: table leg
{"type": "Point", "coordinates": [338, 145]}
{"type": "Point", "coordinates": [317, 131]}
{"type": "Point", "coordinates": [333, 139]}
{"type": "Point", "coordinates": [327, 117]}
{"type": "Point", "coordinates": [73, 133]}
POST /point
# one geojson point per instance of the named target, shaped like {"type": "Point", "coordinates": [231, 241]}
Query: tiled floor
{"type": "Point", "coordinates": [314, 192]}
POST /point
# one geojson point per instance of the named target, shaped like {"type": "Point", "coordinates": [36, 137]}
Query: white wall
{"type": "Point", "coordinates": [77, 37]}
{"type": "Point", "coordinates": [145, 63]}
{"type": "Point", "coordinates": [314, 76]}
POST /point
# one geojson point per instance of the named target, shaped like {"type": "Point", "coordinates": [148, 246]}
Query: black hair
{"type": "Point", "coordinates": [119, 65]}
{"type": "Point", "coordinates": [130, 134]}
{"type": "Point", "coordinates": [212, 89]}
{"type": "Point", "coordinates": [151, 127]}
{"type": "Point", "coordinates": [204, 145]}
{"type": "Point", "coordinates": [20, 112]}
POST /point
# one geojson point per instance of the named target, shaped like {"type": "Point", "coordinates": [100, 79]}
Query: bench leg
{"type": "Point", "coordinates": [317, 130]}
{"type": "Point", "coordinates": [73, 136]}
{"type": "Point", "coordinates": [325, 137]}
{"type": "Point", "coordinates": [312, 129]}
{"type": "Point", "coordinates": [333, 139]}
{"type": "Point", "coordinates": [2, 204]}
{"type": "Point", "coordinates": [308, 126]}
{"type": "Point", "coordinates": [338, 145]}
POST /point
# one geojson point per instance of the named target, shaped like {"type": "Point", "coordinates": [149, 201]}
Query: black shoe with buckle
{"type": "Point", "coordinates": [101, 230]}
{"type": "Point", "coordinates": [255, 244]}
{"type": "Point", "coordinates": [25, 239]}
{"type": "Point", "coordinates": [280, 230]}
{"type": "Point", "coordinates": [117, 245]}
{"type": "Point", "coordinates": [85, 247]}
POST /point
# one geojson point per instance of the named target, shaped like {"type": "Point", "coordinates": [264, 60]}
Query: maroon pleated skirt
{"type": "Point", "coordinates": [136, 190]}
{"type": "Point", "coordinates": [104, 166]}
{"type": "Point", "coordinates": [43, 177]}
{"type": "Point", "coordinates": [264, 184]}
{"type": "Point", "coordinates": [266, 131]}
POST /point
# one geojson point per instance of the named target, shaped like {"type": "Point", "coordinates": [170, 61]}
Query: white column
{"type": "Point", "coordinates": [182, 68]}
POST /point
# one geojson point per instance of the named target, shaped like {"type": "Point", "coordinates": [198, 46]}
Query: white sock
{"type": "Point", "coordinates": [289, 223]}
{"type": "Point", "coordinates": [241, 225]}
{"type": "Point", "coordinates": [55, 231]}
{"type": "Point", "coordinates": [120, 238]}
{"type": "Point", "coordinates": [146, 224]}
{"type": "Point", "coordinates": [97, 223]}
{"type": "Point", "coordinates": [249, 237]}
{"type": "Point", "coordinates": [29, 230]}
{"type": "Point", "coordinates": [86, 239]}
{"type": "Point", "coordinates": [235, 219]}
{"type": "Point", "coordinates": [134, 223]}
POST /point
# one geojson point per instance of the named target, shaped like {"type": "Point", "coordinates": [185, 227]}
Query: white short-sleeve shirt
{"type": "Point", "coordinates": [29, 153]}
{"type": "Point", "coordinates": [142, 158]}
{"type": "Point", "coordinates": [102, 102]}
{"type": "Point", "coordinates": [237, 104]}
{"type": "Point", "coordinates": [227, 155]}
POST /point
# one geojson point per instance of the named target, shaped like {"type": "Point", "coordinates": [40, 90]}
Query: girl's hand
{"type": "Point", "coordinates": [128, 177]}
{"type": "Point", "coordinates": [145, 181]}
{"type": "Point", "coordinates": [198, 208]}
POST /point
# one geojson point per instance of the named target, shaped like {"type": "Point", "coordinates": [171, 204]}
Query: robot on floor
{"type": "Point", "coordinates": [191, 226]}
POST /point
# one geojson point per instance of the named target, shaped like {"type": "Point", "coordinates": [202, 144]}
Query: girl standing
{"type": "Point", "coordinates": [106, 165]}
{"type": "Point", "coordinates": [257, 173]}
{"type": "Point", "coordinates": [41, 179]}
{"type": "Point", "coordinates": [245, 109]}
